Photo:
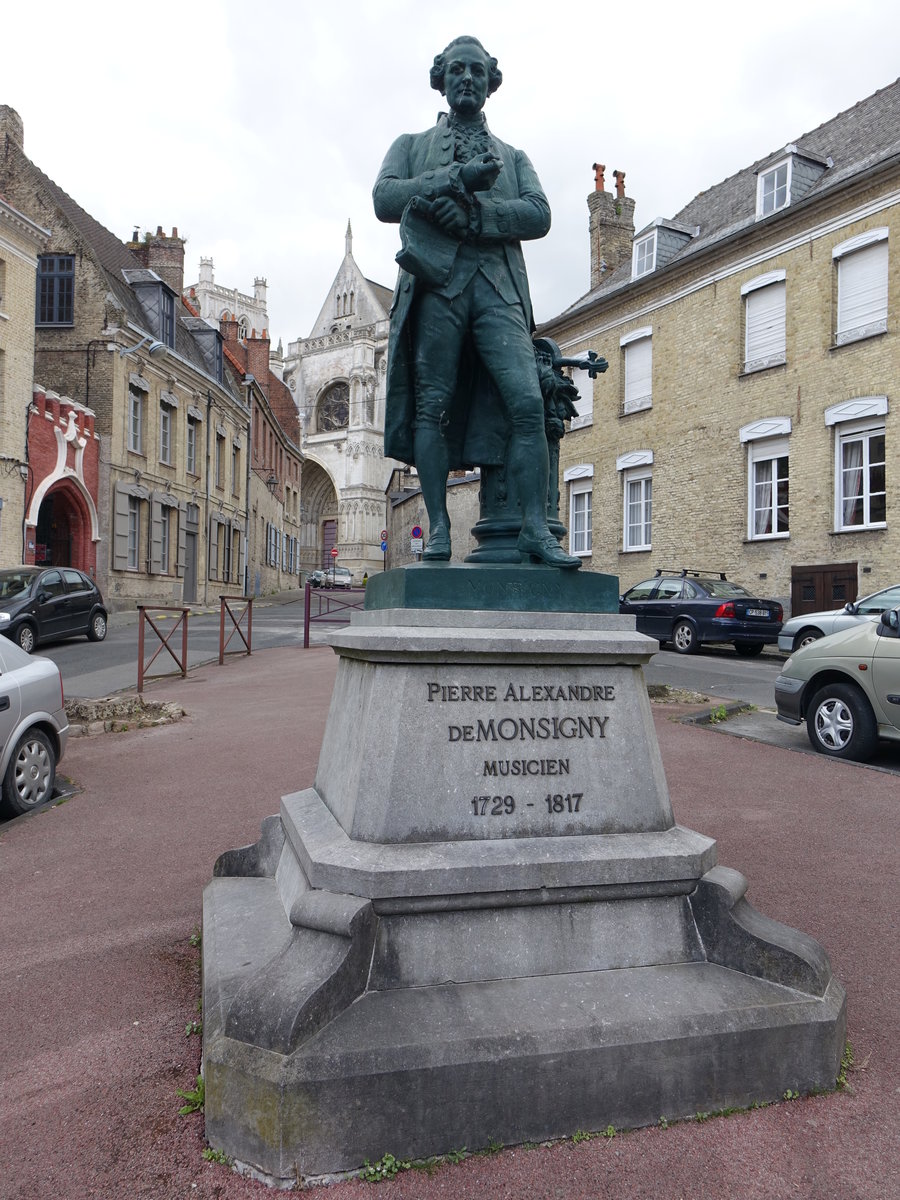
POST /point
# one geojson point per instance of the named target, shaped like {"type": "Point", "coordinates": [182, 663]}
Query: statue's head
{"type": "Point", "coordinates": [468, 49]}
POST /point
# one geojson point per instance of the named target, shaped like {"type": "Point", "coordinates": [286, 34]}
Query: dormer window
{"type": "Point", "coordinates": [643, 259]}
{"type": "Point", "coordinates": [773, 189]}
{"type": "Point", "coordinates": [167, 318]}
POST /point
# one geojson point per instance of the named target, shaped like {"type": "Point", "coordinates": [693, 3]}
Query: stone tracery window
{"type": "Point", "coordinates": [334, 408]}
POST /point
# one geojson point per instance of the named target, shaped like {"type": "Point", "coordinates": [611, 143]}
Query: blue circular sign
{"type": "Point", "coordinates": [417, 531]}
{"type": "Point", "coordinates": [384, 545]}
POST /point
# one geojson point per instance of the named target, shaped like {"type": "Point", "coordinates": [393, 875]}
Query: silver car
{"type": "Point", "coordinates": [809, 627]}
{"type": "Point", "coordinates": [33, 727]}
{"type": "Point", "coordinates": [846, 687]}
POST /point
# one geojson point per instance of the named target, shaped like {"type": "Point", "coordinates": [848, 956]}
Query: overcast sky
{"type": "Point", "coordinates": [258, 127]}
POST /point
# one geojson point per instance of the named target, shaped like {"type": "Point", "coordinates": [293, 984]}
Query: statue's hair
{"type": "Point", "coordinates": [495, 75]}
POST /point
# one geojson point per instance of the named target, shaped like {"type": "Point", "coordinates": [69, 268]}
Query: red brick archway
{"type": "Point", "coordinates": [63, 532]}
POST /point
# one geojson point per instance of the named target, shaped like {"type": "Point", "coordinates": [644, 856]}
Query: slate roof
{"type": "Point", "coordinates": [857, 141]}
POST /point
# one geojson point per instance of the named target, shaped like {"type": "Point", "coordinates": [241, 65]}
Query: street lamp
{"type": "Point", "coordinates": [272, 482]}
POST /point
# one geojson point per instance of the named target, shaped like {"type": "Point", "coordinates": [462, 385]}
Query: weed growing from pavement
{"type": "Point", "coordinates": [196, 938]}
{"type": "Point", "coordinates": [609, 1132]}
{"type": "Point", "coordinates": [847, 1061]}
{"type": "Point", "coordinates": [386, 1168]}
{"type": "Point", "coordinates": [718, 714]}
{"type": "Point", "coordinates": [192, 1028]}
{"type": "Point", "coordinates": [217, 1156]}
{"type": "Point", "coordinates": [580, 1136]}
{"type": "Point", "coordinates": [790, 1094]}
{"type": "Point", "coordinates": [194, 1098]}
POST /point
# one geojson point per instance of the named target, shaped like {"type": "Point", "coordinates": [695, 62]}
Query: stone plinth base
{"type": "Point", "coordinates": [482, 922]}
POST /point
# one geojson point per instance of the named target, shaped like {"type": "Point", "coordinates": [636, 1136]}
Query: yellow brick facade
{"type": "Point", "coordinates": [702, 398]}
{"type": "Point", "coordinates": [21, 240]}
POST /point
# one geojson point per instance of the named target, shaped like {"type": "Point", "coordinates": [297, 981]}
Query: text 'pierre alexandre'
{"type": "Point", "coordinates": [450, 693]}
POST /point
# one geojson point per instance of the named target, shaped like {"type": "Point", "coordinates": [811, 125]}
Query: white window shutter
{"type": "Point", "coordinates": [862, 288]}
{"type": "Point", "coordinates": [120, 531]}
{"type": "Point", "coordinates": [638, 374]}
{"type": "Point", "coordinates": [765, 325]}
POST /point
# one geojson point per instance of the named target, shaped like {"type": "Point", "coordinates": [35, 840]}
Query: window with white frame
{"type": "Point", "coordinates": [862, 286]}
{"type": "Point", "coordinates": [643, 255]}
{"type": "Point", "coordinates": [773, 189]}
{"type": "Point", "coordinates": [165, 433]}
{"type": "Point", "coordinates": [191, 447]}
{"type": "Point", "coordinates": [135, 419]}
{"type": "Point", "coordinates": [580, 480]}
{"type": "Point", "coordinates": [637, 491]}
{"type": "Point", "coordinates": [165, 532]}
{"type": "Point", "coordinates": [768, 477]}
{"type": "Point", "coordinates": [860, 462]}
{"type": "Point", "coordinates": [585, 402]}
{"type": "Point", "coordinates": [764, 317]}
{"type": "Point", "coordinates": [637, 350]}
{"type": "Point", "coordinates": [134, 533]}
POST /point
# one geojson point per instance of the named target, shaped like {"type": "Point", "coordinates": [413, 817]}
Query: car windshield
{"type": "Point", "coordinates": [880, 601]}
{"type": "Point", "coordinates": [723, 589]}
{"type": "Point", "coordinates": [14, 583]}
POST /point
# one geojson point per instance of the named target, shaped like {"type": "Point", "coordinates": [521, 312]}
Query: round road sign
{"type": "Point", "coordinates": [384, 535]}
{"type": "Point", "coordinates": [334, 551]}
{"type": "Point", "coordinates": [416, 531]}
{"type": "Point", "coordinates": [384, 546]}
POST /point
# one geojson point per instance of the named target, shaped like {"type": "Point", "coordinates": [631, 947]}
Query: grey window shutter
{"type": "Point", "coordinates": [213, 564]}
{"type": "Point", "coordinates": [182, 541]}
{"type": "Point", "coordinates": [155, 536]}
{"type": "Point", "coordinates": [120, 531]}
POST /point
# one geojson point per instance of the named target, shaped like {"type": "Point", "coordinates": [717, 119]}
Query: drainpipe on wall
{"type": "Point", "coordinates": [209, 405]}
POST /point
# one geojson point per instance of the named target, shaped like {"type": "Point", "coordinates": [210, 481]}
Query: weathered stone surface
{"type": "Point", "coordinates": [422, 953]}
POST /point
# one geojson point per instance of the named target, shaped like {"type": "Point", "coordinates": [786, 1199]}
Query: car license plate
{"type": "Point", "coordinates": [757, 612]}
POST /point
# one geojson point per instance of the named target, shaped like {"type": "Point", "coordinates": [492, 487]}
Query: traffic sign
{"type": "Point", "coordinates": [416, 531]}
{"type": "Point", "coordinates": [383, 546]}
{"type": "Point", "coordinates": [384, 535]}
{"type": "Point", "coordinates": [334, 551]}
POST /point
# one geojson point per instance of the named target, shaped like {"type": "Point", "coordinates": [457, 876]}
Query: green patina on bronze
{"type": "Point", "coordinates": [466, 384]}
{"type": "Point", "coordinates": [493, 586]}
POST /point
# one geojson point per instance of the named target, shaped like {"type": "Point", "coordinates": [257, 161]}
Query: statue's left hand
{"type": "Point", "coordinates": [450, 216]}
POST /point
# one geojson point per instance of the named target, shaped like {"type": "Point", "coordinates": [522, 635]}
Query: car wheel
{"type": "Point", "coordinates": [684, 638]}
{"type": "Point", "coordinates": [806, 637]}
{"type": "Point", "coordinates": [97, 630]}
{"type": "Point", "coordinates": [25, 638]}
{"type": "Point", "coordinates": [840, 722]}
{"type": "Point", "coordinates": [31, 773]}
{"type": "Point", "coordinates": [748, 649]}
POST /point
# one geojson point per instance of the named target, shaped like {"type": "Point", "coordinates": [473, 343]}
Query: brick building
{"type": "Point", "coordinates": [745, 423]}
{"type": "Point", "coordinates": [281, 539]}
{"type": "Point", "coordinates": [21, 241]}
{"type": "Point", "coordinates": [111, 334]}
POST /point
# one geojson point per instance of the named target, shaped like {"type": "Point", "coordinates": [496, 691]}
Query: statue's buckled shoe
{"type": "Point", "coordinates": [545, 549]}
{"type": "Point", "coordinates": [437, 549]}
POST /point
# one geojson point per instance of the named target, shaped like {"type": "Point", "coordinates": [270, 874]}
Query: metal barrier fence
{"type": "Point", "coordinates": [181, 663]}
{"type": "Point", "coordinates": [329, 607]}
{"type": "Point", "coordinates": [246, 611]}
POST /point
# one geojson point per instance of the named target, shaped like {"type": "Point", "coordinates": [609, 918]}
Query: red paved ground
{"type": "Point", "coordinates": [98, 978]}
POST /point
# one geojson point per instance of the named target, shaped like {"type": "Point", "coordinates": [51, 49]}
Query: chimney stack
{"type": "Point", "coordinates": [12, 126]}
{"type": "Point", "coordinates": [610, 224]}
{"type": "Point", "coordinates": [164, 255]}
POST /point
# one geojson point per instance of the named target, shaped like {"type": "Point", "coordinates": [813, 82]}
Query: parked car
{"type": "Point", "coordinates": [333, 577]}
{"type": "Point", "coordinates": [42, 604]}
{"type": "Point", "coordinates": [33, 727]}
{"type": "Point", "coordinates": [846, 686]}
{"type": "Point", "coordinates": [688, 608]}
{"type": "Point", "coordinates": [799, 631]}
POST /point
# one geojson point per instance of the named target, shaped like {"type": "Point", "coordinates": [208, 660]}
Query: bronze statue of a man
{"type": "Point", "coordinates": [463, 387]}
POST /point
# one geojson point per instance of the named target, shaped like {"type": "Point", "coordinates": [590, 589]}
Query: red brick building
{"type": "Point", "coordinates": [62, 486]}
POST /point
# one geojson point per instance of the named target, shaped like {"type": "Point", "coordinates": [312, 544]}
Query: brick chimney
{"type": "Point", "coordinates": [611, 225]}
{"type": "Point", "coordinates": [164, 255]}
{"type": "Point", "coordinates": [11, 126]}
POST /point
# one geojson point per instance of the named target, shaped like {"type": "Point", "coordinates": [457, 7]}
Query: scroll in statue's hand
{"type": "Point", "coordinates": [481, 172]}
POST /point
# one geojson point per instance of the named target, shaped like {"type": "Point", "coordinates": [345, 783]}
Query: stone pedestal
{"type": "Point", "coordinates": [482, 922]}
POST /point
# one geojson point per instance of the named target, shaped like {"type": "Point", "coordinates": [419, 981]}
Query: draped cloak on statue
{"type": "Point", "coordinates": [514, 208]}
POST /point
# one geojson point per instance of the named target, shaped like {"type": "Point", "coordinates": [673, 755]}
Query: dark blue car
{"type": "Point", "coordinates": [688, 608]}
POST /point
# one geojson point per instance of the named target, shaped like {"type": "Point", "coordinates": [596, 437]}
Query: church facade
{"type": "Point", "coordinates": [337, 377]}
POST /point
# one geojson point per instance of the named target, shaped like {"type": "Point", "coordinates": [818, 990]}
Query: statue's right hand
{"type": "Point", "coordinates": [480, 172]}
{"type": "Point", "coordinates": [450, 216]}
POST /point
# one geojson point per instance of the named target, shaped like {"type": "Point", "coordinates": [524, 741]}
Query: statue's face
{"type": "Point", "coordinates": [466, 79]}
